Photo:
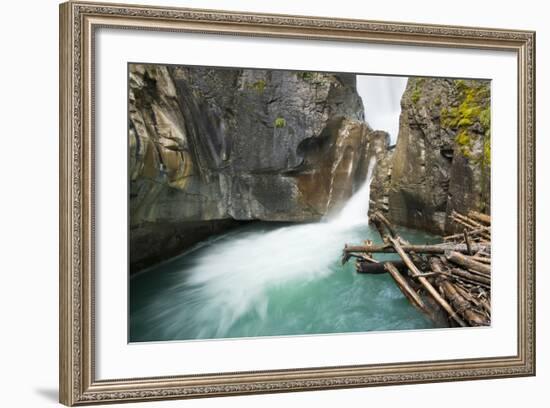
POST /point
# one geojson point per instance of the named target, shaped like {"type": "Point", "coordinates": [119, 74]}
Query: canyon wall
{"type": "Point", "coordinates": [212, 148]}
{"type": "Point", "coordinates": [209, 148]}
{"type": "Point", "coordinates": [441, 161]}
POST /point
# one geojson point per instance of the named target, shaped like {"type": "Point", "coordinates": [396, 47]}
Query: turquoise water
{"type": "Point", "coordinates": [267, 279]}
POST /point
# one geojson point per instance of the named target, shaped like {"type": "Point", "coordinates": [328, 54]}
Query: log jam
{"type": "Point", "coordinates": [453, 277]}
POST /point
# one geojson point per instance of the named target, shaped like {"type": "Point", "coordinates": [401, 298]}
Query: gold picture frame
{"type": "Point", "coordinates": [78, 22]}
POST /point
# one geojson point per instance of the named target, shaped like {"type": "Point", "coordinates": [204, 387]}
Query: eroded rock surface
{"type": "Point", "coordinates": [441, 161]}
{"type": "Point", "coordinates": [213, 147]}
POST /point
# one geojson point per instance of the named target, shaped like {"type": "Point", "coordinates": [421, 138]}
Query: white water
{"type": "Point", "coordinates": [234, 279]}
{"type": "Point", "coordinates": [357, 207]}
{"type": "Point", "coordinates": [237, 277]}
{"type": "Point", "coordinates": [381, 97]}
{"type": "Point", "coordinates": [264, 281]}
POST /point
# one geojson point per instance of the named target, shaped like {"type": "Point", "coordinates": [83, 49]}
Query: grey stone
{"type": "Point", "coordinates": [441, 161]}
{"type": "Point", "coordinates": [237, 144]}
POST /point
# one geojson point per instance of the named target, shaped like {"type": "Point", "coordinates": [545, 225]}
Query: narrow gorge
{"type": "Point", "coordinates": [241, 145]}
{"type": "Point", "coordinates": [236, 146]}
{"type": "Point", "coordinates": [244, 185]}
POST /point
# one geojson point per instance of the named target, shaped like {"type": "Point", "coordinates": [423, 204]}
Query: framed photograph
{"type": "Point", "coordinates": [255, 203]}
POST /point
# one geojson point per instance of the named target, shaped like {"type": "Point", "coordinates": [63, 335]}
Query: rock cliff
{"type": "Point", "coordinates": [209, 148]}
{"type": "Point", "coordinates": [441, 161]}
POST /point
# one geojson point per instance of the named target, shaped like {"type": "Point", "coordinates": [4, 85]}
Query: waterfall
{"type": "Point", "coordinates": [232, 278]}
{"type": "Point", "coordinates": [357, 208]}
{"type": "Point", "coordinates": [381, 97]}
{"type": "Point", "coordinates": [239, 278]}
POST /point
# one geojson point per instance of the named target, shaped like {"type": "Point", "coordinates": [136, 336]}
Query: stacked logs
{"type": "Point", "coordinates": [451, 279]}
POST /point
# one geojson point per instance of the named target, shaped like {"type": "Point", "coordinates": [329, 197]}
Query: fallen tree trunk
{"type": "Point", "coordinates": [368, 242]}
{"type": "Point", "coordinates": [486, 305]}
{"type": "Point", "coordinates": [424, 281]}
{"type": "Point", "coordinates": [482, 303]}
{"type": "Point", "coordinates": [470, 276]}
{"type": "Point", "coordinates": [379, 227]}
{"type": "Point", "coordinates": [374, 267]}
{"type": "Point", "coordinates": [462, 306]}
{"type": "Point", "coordinates": [386, 223]}
{"type": "Point", "coordinates": [484, 218]}
{"type": "Point", "coordinates": [379, 267]}
{"type": "Point", "coordinates": [481, 259]}
{"type": "Point", "coordinates": [466, 262]}
{"type": "Point", "coordinates": [360, 257]}
{"type": "Point", "coordinates": [450, 282]}
{"type": "Point", "coordinates": [405, 288]}
{"type": "Point", "coordinates": [467, 242]}
{"type": "Point", "coordinates": [471, 232]}
{"type": "Point", "coordinates": [473, 223]}
{"type": "Point", "coordinates": [419, 249]}
{"type": "Point", "coordinates": [456, 298]}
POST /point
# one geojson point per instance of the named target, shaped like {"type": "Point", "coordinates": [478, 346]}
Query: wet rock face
{"type": "Point", "coordinates": [380, 149]}
{"type": "Point", "coordinates": [441, 161]}
{"type": "Point", "coordinates": [226, 144]}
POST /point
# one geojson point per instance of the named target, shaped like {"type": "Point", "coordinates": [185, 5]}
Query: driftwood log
{"type": "Point", "coordinates": [378, 267]}
{"type": "Point", "coordinates": [424, 281]}
{"type": "Point", "coordinates": [457, 298]}
{"type": "Point", "coordinates": [405, 287]}
{"type": "Point", "coordinates": [453, 277]}
{"type": "Point", "coordinates": [467, 262]}
{"type": "Point", "coordinates": [471, 232]}
{"type": "Point", "coordinates": [483, 218]}
{"type": "Point", "coordinates": [419, 249]}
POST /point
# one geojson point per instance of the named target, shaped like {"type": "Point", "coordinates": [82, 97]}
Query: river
{"type": "Point", "coordinates": [272, 279]}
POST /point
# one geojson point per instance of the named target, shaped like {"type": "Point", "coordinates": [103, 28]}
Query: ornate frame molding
{"type": "Point", "coordinates": [78, 20]}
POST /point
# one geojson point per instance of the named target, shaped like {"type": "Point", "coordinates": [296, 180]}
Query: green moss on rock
{"type": "Point", "coordinates": [280, 122]}
{"type": "Point", "coordinates": [417, 92]}
{"type": "Point", "coordinates": [258, 86]}
{"type": "Point", "coordinates": [306, 75]}
{"type": "Point", "coordinates": [415, 97]}
{"type": "Point", "coordinates": [487, 151]}
{"type": "Point", "coordinates": [473, 108]}
{"type": "Point", "coordinates": [485, 118]}
{"type": "Point", "coordinates": [463, 140]}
